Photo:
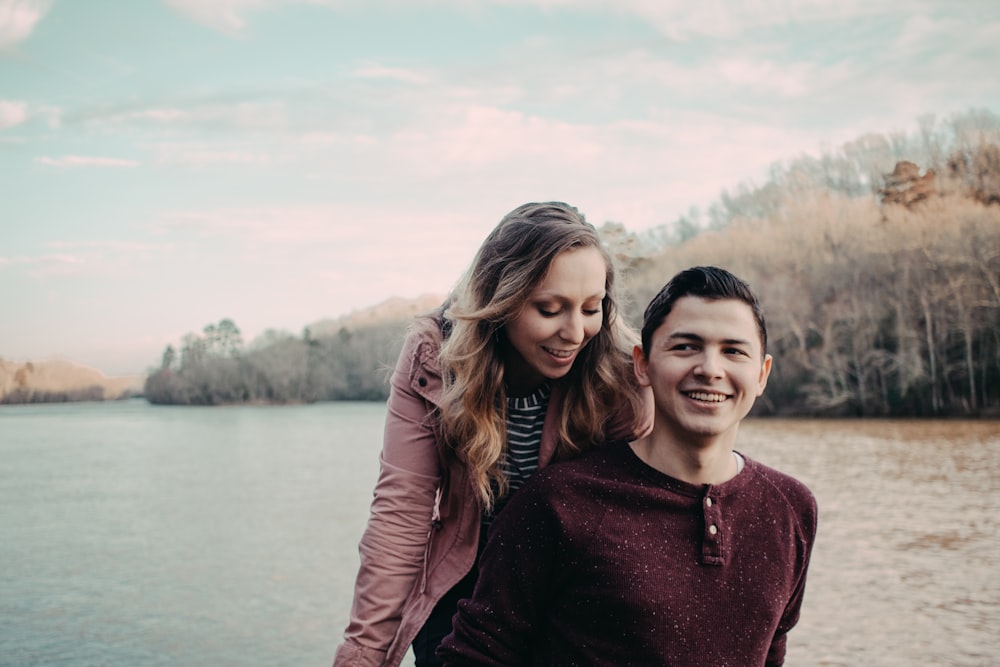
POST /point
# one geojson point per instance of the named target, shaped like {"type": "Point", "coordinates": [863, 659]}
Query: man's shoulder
{"type": "Point", "coordinates": [567, 491]}
{"type": "Point", "coordinates": [593, 467]}
{"type": "Point", "coordinates": [794, 492]}
{"type": "Point", "coordinates": [610, 453]}
{"type": "Point", "coordinates": [779, 479]}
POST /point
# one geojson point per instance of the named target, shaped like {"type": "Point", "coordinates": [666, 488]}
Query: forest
{"type": "Point", "coordinates": [878, 265]}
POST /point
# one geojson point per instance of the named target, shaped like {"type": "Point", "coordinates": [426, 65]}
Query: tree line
{"type": "Point", "coordinates": [882, 293]}
{"type": "Point", "coordinates": [22, 395]}
{"type": "Point", "coordinates": [216, 368]}
{"type": "Point", "coordinates": [880, 282]}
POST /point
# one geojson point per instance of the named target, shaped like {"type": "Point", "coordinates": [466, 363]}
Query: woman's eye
{"type": "Point", "coordinates": [547, 313]}
{"type": "Point", "coordinates": [591, 311]}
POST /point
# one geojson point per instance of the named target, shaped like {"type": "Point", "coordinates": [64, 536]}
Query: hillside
{"type": "Point", "coordinates": [390, 310]}
{"type": "Point", "coordinates": [59, 381]}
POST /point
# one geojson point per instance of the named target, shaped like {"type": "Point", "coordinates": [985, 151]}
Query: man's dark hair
{"type": "Point", "coordinates": [706, 282]}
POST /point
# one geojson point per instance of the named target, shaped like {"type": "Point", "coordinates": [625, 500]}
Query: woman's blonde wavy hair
{"type": "Point", "coordinates": [511, 262]}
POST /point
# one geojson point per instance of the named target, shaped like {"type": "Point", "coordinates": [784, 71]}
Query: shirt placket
{"type": "Point", "coordinates": [713, 530]}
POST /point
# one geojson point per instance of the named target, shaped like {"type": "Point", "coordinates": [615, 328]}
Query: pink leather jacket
{"type": "Point", "coordinates": [423, 530]}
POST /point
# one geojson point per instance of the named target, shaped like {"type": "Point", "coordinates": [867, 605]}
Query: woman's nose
{"type": "Point", "coordinates": [572, 328]}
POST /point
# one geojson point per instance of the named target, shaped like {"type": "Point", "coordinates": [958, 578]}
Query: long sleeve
{"type": "Point", "coordinates": [497, 625]}
{"type": "Point", "coordinates": [806, 538]}
{"type": "Point", "coordinates": [393, 544]}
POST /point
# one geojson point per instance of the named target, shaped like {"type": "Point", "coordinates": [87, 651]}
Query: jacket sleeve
{"type": "Point", "coordinates": [497, 626]}
{"type": "Point", "coordinates": [393, 545]}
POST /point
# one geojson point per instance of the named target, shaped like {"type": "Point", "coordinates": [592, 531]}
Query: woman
{"type": "Point", "coordinates": [527, 364]}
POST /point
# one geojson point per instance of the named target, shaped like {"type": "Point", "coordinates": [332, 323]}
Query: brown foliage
{"type": "Point", "coordinates": [978, 174]}
{"type": "Point", "coordinates": [974, 174]}
{"type": "Point", "coordinates": [905, 186]}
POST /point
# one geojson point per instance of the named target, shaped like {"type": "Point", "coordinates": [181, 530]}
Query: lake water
{"type": "Point", "coordinates": [136, 535]}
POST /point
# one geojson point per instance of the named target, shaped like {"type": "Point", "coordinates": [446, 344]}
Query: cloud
{"type": "Point", "coordinates": [18, 19]}
{"type": "Point", "coordinates": [199, 155]}
{"type": "Point", "coordinates": [40, 266]}
{"type": "Point", "coordinates": [123, 247]}
{"type": "Point", "coordinates": [327, 139]}
{"type": "Point", "coordinates": [343, 254]}
{"type": "Point", "coordinates": [83, 161]}
{"type": "Point", "coordinates": [476, 135]}
{"type": "Point", "coordinates": [286, 225]}
{"type": "Point", "coordinates": [226, 16]}
{"type": "Point", "coordinates": [676, 19]}
{"type": "Point", "coordinates": [951, 43]}
{"type": "Point", "coordinates": [208, 114]}
{"type": "Point", "coordinates": [94, 258]}
{"type": "Point", "coordinates": [166, 116]}
{"type": "Point", "coordinates": [401, 74]}
{"type": "Point", "coordinates": [12, 113]}
{"type": "Point", "coordinates": [791, 80]}
{"type": "Point", "coordinates": [743, 74]}
{"type": "Point", "coordinates": [683, 20]}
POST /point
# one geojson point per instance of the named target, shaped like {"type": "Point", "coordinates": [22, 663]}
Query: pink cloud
{"type": "Point", "coordinates": [196, 156]}
{"type": "Point", "coordinates": [376, 71]}
{"type": "Point", "coordinates": [226, 16]}
{"type": "Point", "coordinates": [12, 113]}
{"type": "Point", "coordinates": [85, 161]}
{"type": "Point", "coordinates": [18, 19]}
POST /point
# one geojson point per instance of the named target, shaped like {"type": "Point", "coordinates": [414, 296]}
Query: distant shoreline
{"type": "Point", "coordinates": [60, 381]}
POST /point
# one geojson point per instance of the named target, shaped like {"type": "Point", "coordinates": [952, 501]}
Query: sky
{"type": "Point", "coordinates": [165, 164]}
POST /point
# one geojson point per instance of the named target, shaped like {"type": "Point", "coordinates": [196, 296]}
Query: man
{"type": "Point", "coordinates": [669, 550]}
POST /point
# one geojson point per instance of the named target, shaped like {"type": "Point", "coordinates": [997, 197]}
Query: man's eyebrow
{"type": "Point", "coordinates": [684, 335]}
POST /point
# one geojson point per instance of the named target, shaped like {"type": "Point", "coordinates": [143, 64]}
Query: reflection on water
{"type": "Point", "coordinates": [132, 535]}
{"type": "Point", "coordinates": [907, 563]}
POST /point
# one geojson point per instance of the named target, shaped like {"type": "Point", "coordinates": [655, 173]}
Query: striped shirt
{"type": "Point", "coordinates": [525, 419]}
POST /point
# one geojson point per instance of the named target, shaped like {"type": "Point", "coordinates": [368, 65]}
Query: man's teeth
{"type": "Point", "coordinates": [704, 396]}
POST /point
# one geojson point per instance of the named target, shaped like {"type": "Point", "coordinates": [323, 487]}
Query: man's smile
{"type": "Point", "coordinates": [710, 397]}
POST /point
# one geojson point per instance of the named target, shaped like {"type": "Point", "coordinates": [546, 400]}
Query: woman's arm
{"type": "Point", "coordinates": [393, 545]}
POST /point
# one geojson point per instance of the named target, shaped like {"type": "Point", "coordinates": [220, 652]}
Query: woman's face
{"type": "Point", "coordinates": [559, 317]}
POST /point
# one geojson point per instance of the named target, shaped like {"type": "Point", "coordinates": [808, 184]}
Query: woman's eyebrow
{"type": "Point", "coordinates": [599, 296]}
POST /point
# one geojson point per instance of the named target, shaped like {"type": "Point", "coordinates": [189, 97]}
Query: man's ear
{"type": "Point", "coordinates": [765, 372]}
{"type": "Point", "coordinates": [640, 366]}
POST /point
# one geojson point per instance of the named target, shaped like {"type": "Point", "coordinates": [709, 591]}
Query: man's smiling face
{"type": "Point", "coordinates": [706, 367]}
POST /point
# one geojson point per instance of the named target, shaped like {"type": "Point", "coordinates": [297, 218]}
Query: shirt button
{"type": "Point", "coordinates": [422, 382]}
{"type": "Point", "coordinates": [708, 502]}
{"type": "Point", "coordinates": [713, 529]}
